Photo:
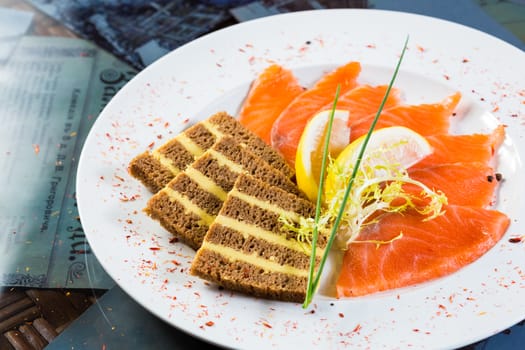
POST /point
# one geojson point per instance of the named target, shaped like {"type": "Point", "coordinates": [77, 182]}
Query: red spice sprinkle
{"type": "Point", "coordinates": [159, 136]}
{"type": "Point", "coordinates": [36, 148]}
{"type": "Point", "coordinates": [210, 323]}
{"type": "Point", "coordinates": [175, 262]}
{"type": "Point", "coordinates": [186, 120]}
{"type": "Point", "coordinates": [371, 46]}
{"type": "Point", "coordinates": [420, 48]}
{"type": "Point", "coordinates": [125, 198]}
{"type": "Point", "coordinates": [465, 60]}
{"type": "Point", "coordinates": [357, 328]}
{"type": "Point", "coordinates": [341, 315]}
{"type": "Point", "coordinates": [129, 221]}
{"type": "Point", "coordinates": [415, 330]}
{"type": "Point", "coordinates": [119, 178]}
{"type": "Point", "coordinates": [446, 77]}
{"type": "Point", "coordinates": [102, 178]}
{"type": "Point", "coordinates": [154, 248]}
{"type": "Point", "coordinates": [266, 324]}
{"type": "Point", "coordinates": [151, 145]}
{"type": "Point", "coordinates": [218, 64]}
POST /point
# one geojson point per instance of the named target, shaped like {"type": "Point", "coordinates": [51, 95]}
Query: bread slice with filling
{"type": "Point", "coordinates": [191, 201]}
{"type": "Point", "coordinates": [247, 247]}
{"type": "Point", "coordinates": [155, 169]}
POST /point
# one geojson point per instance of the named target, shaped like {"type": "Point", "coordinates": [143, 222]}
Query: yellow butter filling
{"type": "Point", "coordinates": [213, 129]}
{"type": "Point", "coordinates": [165, 162]}
{"type": "Point", "coordinates": [224, 161]}
{"type": "Point", "coordinates": [252, 230]}
{"type": "Point", "coordinates": [189, 145]}
{"type": "Point", "coordinates": [189, 205]}
{"type": "Point", "coordinates": [206, 183]}
{"type": "Point", "coordinates": [265, 205]}
{"type": "Point", "coordinates": [253, 259]}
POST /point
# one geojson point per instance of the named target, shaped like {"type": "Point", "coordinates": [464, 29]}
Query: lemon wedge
{"type": "Point", "coordinates": [397, 145]}
{"type": "Point", "coordinates": [309, 154]}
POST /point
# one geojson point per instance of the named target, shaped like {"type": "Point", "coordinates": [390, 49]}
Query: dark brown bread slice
{"type": "Point", "coordinates": [153, 174]}
{"type": "Point", "coordinates": [187, 206]}
{"type": "Point", "coordinates": [237, 227]}
{"type": "Point", "coordinates": [150, 172]}
{"type": "Point", "coordinates": [228, 125]}
{"type": "Point", "coordinates": [248, 279]}
{"type": "Point", "coordinates": [181, 151]}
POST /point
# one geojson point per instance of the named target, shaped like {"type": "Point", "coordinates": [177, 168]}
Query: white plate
{"type": "Point", "coordinates": [213, 73]}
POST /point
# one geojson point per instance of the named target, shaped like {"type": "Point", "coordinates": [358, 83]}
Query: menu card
{"type": "Point", "coordinates": [51, 91]}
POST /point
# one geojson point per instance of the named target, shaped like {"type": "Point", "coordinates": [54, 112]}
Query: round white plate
{"type": "Point", "coordinates": [213, 73]}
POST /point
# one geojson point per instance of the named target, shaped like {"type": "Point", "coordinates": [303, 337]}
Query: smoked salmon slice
{"type": "Point", "coordinates": [463, 148]}
{"type": "Point", "coordinates": [426, 119]}
{"type": "Point", "coordinates": [426, 250]}
{"type": "Point", "coordinates": [469, 184]}
{"type": "Point", "coordinates": [364, 100]}
{"type": "Point", "coordinates": [268, 96]}
{"type": "Point", "coordinates": [288, 127]}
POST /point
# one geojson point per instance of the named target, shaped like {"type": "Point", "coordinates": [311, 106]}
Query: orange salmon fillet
{"type": "Point", "coordinates": [463, 148]}
{"type": "Point", "coordinates": [427, 250]}
{"type": "Point", "coordinates": [364, 100]}
{"type": "Point", "coordinates": [268, 96]}
{"type": "Point", "coordinates": [426, 119]}
{"type": "Point", "coordinates": [470, 184]}
{"type": "Point", "coordinates": [460, 167]}
{"type": "Point", "coordinates": [288, 127]}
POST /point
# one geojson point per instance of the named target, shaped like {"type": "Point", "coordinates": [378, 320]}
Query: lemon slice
{"type": "Point", "coordinates": [394, 146]}
{"type": "Point", "coordinates": [309, 154]}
